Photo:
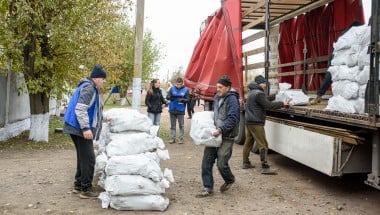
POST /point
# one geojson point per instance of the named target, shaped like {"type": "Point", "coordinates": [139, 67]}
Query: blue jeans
{"type": "Point", "coordinates": [173, 125]}
{"type": "Point", "coordinates": [155, 117]}
{"type": "Point", "coordinates": [222, 155]}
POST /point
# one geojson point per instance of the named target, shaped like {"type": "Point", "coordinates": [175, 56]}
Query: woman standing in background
{"type": "Point", "coordinates": [154, 101]}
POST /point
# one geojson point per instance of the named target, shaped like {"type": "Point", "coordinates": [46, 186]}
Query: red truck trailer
{"type": "Point", "coordinates": [332, 142]}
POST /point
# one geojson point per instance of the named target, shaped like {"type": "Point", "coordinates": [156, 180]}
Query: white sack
{"type": "Point", "coordinates": [363, 76]}
{"type": "Point", "coordinates": [348, 57]}
{"type": "Point", "coordinates": [344, 72]}
{"type": "Point", "coordinates": [362, 91]}
{"type": "Point", "coordinates": [338, 103]}
{"type": "Point", "coordinates": [296, 97]}
{"type": "Point", "coordinates": [123, 119]}
{"type": "Point", "coordinates": [134, 165]}
{"type": "Point", "coordinates": [346, 89]}
{"type": "Point", "coordinates": [129, 143]}
{"type": "Point", "coordinates": [140, 202]}
{"type": "Point", "coordinates": [363, 58]}
{"type": "Point", "coordinates": [127, 185]}
{"type": "Point", "coordinates": [354, 35]}
{"type": "Point", "coordinates": [168, 174]}
{"type": "Point", "coordinates": [100, 162]}
{"type": "Point", "coordinates": [202, 127]}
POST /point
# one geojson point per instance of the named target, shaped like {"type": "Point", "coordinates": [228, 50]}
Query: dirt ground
{"type": "Point", "coordinates": [40, 182]}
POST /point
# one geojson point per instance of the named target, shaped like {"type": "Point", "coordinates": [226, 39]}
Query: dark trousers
{"type": "Point", "coordinates": [222, 155]}
{"type": "Point", "coordinates": [325, 84]}
{"type": "Point", "coordinates": [85, 161]}
{"type": "Point", "coordinates": [190, 108]}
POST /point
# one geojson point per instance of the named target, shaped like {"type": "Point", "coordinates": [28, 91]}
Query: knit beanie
{"type": "Point", "coordinates": [98, 72]}
{"type": "Point", "coordinates": [260, 79]}
{"type": "Point", "coordinates": [225, 80]}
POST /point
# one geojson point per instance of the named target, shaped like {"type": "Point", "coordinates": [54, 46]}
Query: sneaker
{"type": "Point", "coordinates": [226, 186]}
{"type": "Point", "coordinates": [180, 141]}
{"type": "Point", "coordinates": [88, 193]}
{"type": "Point", "coordinates": [77, 190]}
{"type": "Point", "coordinates": [172, 141]}
{"type": "Point", "coordinates": [204, 193]}
{"type": "Point", "coordinates": [247, 165]}
{"type": "Point", "coordinates": [268, 171]}
{"type": "Point", "coordinates": [316, 100]}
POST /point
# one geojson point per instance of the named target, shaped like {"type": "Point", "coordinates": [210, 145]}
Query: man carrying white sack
{"type": "Point", "coordinates": [255, 115]}
{"type": "Point", "coordinates": [226, 118]}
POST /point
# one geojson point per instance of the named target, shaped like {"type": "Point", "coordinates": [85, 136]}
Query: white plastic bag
{"type": "Point", "coordinates": [202, 127]}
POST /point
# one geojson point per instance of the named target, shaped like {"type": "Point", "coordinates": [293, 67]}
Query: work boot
{"type": "Point", "coordinates": [226, 186]}
{"type": "Point", "coordinates": [88, 193]}
{"type": "Point", "coordinates": [266, 170]}
{"type": "Point", "coordinates": [316, 100]}
{"type": "Point", "coordinates": [180, 141]}
{"type": "Point", "coordinates": [172, 141]}
{"type": "Point", "coordinates": [247, 165]}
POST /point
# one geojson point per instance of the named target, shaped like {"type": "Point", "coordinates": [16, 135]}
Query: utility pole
{"type": "Point", "coordinates": [139, 29]}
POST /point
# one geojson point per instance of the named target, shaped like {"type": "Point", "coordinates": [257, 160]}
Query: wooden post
{"type": "Point", "coordinates": [137, 72]}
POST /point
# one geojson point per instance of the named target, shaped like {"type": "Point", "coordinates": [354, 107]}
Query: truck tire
{"type": "Point", "coordinates": [255, 149]}
{"type": "Point", "coordinates": [241, 135]}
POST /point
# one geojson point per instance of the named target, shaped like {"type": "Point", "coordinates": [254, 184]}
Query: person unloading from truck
{"type": "Point", "coordinates": [255, 115]}
{"type": "Point", "coordinates": [226, 119]}
{"type": "Point", "coordinates": [327, 81]}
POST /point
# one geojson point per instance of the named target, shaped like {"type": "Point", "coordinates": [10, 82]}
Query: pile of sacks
{"type": "Point", "coordinates": [128, 163]}
{"type": "Point", "coordinates": [202, 127]}
{"type": "Point", "coordinates": [350, 70]}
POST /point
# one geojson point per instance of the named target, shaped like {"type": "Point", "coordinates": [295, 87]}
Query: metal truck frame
{"type": "Point", "coordinates": [333, 143]}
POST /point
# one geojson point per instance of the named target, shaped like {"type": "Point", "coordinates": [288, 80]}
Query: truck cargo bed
{"type": "Point", "coordinates": [317, 112]}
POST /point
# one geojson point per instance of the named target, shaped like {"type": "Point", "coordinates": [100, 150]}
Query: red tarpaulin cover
{"type": "Point", "coordinates": [320, 28]}
{"type": "Point", "coordinates": [218, 52]}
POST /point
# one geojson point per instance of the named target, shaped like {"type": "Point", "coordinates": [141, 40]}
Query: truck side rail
{"type": "Point", "coordinates": [360, 120]}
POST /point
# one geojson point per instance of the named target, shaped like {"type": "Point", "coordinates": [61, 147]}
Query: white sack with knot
{"type": "Point", "coordinates": [126, 185]}
{"type": "Point", "coordinates": [134, 165]}
{"type": "Point", "coordinates": [202, 127]}
{"type": "Point", "coordinates": [295, 97]}
{"type": "Point", "coordinates": [130, 143]}
{"type": "Point", "coordinates": [123, 119]}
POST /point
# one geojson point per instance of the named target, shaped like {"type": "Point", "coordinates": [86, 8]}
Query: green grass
{"type": "Point", "coordinates": [56, 140]}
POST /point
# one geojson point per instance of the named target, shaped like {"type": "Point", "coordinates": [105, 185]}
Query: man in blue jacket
{"type": "Point", "coordinates": [83, 121]}
{"type": "Point", "coordinates": [226, 119]}
{"type": "Point", "coordinates": [178, 96]}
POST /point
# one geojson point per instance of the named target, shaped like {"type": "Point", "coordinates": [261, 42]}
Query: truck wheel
{"type": "Point", "coordinates": [255, 149]}
{"type": "Point", "coordinates": [241, 135]}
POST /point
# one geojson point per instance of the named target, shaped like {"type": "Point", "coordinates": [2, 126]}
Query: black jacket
{"type": "Point", "coordinates": [257, 104]}
{"type": "Point", "coordinates": [154, 101]}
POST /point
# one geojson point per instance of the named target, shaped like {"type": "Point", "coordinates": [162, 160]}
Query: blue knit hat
{"type": "Point", "coordinates": [98, 72]}
{"type": "Point", "coordinates": [260, 79]}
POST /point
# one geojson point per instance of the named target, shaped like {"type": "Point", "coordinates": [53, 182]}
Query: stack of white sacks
{"type": "Point", "coordinates": [128, 162]}
{"type": "Point", "coordinates": [350, 70]}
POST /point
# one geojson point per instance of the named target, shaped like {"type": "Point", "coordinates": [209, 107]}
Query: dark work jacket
{"type": "Point", "coordinates": [227, 114]}
{"type": "Point", "coordinates": [257, 104]}
{"type": "Point", "coordinates": [154, 101]}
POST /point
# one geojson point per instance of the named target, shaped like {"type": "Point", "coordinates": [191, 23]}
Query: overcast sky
{"type": "Point", "coordinates": [175, 24]}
